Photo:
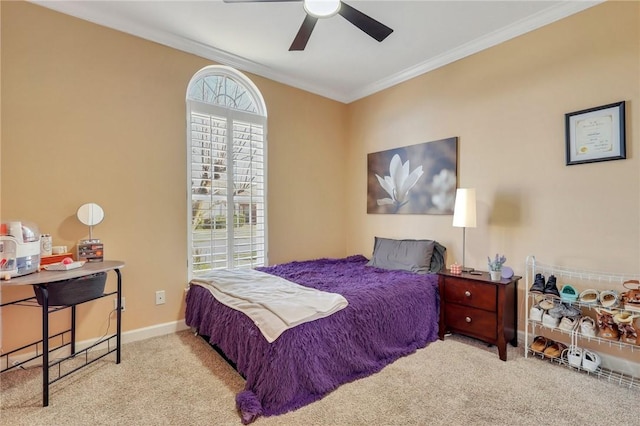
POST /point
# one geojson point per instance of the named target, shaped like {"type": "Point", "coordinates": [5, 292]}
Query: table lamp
{"type": "Point", "coordinates": [464, 215]}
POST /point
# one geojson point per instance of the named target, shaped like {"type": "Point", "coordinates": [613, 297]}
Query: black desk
{"type": "Point", "coordinates": [44, 279]}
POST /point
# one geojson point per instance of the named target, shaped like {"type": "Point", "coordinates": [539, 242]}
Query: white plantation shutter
{"type": "Point", "coordinates": [227, 179]}
{"type": "Point", "coordinates": [248, 194]}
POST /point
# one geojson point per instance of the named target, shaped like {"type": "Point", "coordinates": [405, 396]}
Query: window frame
{"type": "Point", "coordinates": [231, 116]}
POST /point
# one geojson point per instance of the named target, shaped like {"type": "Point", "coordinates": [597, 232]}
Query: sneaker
{"type": "Point", "coordinates": [567, 323]}
{"type": "Point", "coordinates": [571, 311]}
{"type": "Point", "coordinates": [551, 289]}
{"type": "Point", "coordinates": [558, 311]}
{"type": "Point", "coordinates": [549, 321]}
{"type": "Point", "coordinates": [588, 327]}
{"type": "Point", "coordinates": [535, 313]}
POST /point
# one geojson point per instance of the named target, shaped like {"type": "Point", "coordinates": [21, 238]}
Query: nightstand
{"type": "Point", "coordinates": [477, 307]}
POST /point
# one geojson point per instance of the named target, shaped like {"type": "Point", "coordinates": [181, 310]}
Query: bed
{"type": "Point", "coordinates": [390, 314]}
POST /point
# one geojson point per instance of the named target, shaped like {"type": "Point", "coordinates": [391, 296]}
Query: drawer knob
{"type": "Point", "coordinates": [467, 293]}
{"type": "Point", "coordinates": [467, 319]}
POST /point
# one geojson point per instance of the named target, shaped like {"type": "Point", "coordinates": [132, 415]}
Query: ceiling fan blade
{"type": "Point", "coordinates": [300, 42]}
{"type": "Point", "coordinates": [375, 29]}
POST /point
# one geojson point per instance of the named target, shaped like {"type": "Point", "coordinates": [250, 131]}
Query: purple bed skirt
{"type": "Point", "coordinates": [390, 315]}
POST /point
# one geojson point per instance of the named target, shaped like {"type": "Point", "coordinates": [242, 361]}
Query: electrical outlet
{"type": "Point", "coordinates": [115, 303]}
{"type": "Point", "coordinates": [160, 297]}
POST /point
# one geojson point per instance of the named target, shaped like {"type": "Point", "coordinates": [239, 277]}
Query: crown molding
{"type": "Point", "coordinates": [545, 17]}
{"type": "Point", "coordinates": [554, 13]}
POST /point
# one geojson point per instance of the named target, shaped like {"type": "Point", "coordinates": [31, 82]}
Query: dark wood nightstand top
{"type": "Point", "coordinates": [484, 277]}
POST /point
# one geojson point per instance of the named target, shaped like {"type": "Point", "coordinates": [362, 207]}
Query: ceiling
{"type": "Point", "coordinates": [340, 61]}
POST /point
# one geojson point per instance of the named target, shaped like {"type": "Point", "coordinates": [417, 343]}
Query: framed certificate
{"type": "Point", "coordinates": [595, 134]}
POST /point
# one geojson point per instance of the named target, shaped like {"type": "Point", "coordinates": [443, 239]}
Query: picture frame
{"type": "Point", "coordinates": [596, 134]}
{"type": "Point", "coordinates": [414, 179]}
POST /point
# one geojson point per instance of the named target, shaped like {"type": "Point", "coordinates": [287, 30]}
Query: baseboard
{"type": "Point", "coordinates": [621, 365]}
{"type": "Point", "coordinates": [153, 331]}
{"type": "Point", "coordinates": [127, 337]}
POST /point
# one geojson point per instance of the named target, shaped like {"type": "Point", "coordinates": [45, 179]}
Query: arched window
{"type": "Point", "coordinates": [226, 161]}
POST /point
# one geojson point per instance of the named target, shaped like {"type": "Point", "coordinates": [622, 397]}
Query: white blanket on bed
{"type": "Point", "coordinates": [273, 303]}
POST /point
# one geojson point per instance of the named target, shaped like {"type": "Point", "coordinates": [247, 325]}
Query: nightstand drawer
{"type": "Point", "coordinates": [470, 293]}
{"type": "Point", "coordinates": [474, 305]}
{"type": "Point", "coordinates": [471, 321]}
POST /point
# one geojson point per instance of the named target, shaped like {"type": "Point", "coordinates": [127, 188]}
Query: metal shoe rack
{"type": "Point", "coordinates": [597, 280]}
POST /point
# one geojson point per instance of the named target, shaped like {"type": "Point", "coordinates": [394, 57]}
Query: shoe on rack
{"type": "Point", "coordinates": [609, 333]}
{"type": "Point", "coordinates": [535, 313]}
{"type": "Point", "coordinates": [574, 356]}
{"type": "Point", "coordinates": [560, 310]}
{"type": "Point", "coordinates": [547, 303]}
{"type": "Point", "coordinates": [571, 311]}
{"type": "Point", "coordinates": [589, 296]}
{"type": "Point", "coordinates": [590, 361]}
{"type": "Point", "coordinates": [568, 293]}
{"type": "Point", "coordinates": [609, 299]}
{"type": "Point", "coordinates": [538, 284]}
{"type": "Point", "coordinates": [554, 350]}
{"type": "Point", "coordinates": [568, 323]}
{"type": "Point", "coordinates": [550, 321]}
{"type": "Point", "coordinates": [557, 311]}
{"type": "Point", "coordinates": [624, 317]}
{"type": "Point", "coordinates": [631, 297]}
{"type": "Point", "coordinates": [607, 328]}
{"type": "Point", "coordinates": [550, 288]}
{"type": "Point", "coordinates": [540, 343]}
{"type": "Point", "coordinates": [587, 327]}
{"type": "Point", "coordinates": [628, 332]}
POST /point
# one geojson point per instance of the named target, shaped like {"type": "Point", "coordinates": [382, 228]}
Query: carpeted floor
{"type": "Point", "coordinates": [179, 380]}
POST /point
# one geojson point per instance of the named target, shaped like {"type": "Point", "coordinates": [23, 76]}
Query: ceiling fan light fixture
{"type": "Point", "coordinates": [322, 8]}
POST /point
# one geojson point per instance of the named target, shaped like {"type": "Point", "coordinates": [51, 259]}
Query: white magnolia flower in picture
{"type": "Point", "coordinates": [406, 190]}
{"type": "Point", "coordinates": [398, 183]}
{"type": "Point", "coordinates": [444, 193]}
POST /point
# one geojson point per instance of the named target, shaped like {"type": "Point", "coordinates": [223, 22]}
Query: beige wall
{"type": "Point", "coordinates": [507, 106]}
{"type": "Point", "coordinates": [94, 115]}
{"type": "Point", "coordinates": [91, 114]}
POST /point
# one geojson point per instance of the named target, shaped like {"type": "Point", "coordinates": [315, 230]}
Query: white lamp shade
{"type": "Point", "coordinates": [464, 210]}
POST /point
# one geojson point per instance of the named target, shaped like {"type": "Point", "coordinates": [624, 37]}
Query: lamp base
{"type": "Point", "coordinates": [466, 269]}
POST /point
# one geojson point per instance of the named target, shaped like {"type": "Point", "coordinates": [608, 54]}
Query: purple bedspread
{"type": "Point", "coordinates": [390, 315]}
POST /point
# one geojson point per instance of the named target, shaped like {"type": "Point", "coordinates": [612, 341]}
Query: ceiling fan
{"type": "Point", "coordinates": [325, 9]}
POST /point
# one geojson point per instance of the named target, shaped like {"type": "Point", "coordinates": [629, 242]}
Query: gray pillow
{"type": "Point", "coordinates": [405, 255]}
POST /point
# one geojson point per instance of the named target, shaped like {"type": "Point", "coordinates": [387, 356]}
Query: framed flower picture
{"type": "Point", "coordinates": [416, 179]}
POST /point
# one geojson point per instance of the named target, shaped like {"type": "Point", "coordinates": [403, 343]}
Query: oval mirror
{"type": "Point", "coordinates": [90, 214]}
